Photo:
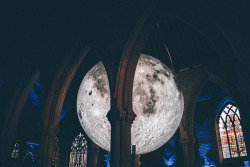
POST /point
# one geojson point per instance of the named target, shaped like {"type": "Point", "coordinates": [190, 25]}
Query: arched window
{"type": "Point", "coordinates": [15, 151]}
{"type": "Point", "coordinates": [230, 132]}
{"type": "Point", "coordinates": [78, 154]}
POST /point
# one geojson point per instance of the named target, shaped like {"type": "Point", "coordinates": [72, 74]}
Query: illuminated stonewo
{"type": "Point", "coordinates": [157, 102]}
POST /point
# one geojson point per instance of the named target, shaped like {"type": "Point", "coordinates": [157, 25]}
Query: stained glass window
{"type": "Point", "coordinates": [15, 151]}
{"type": "Point", "coordinates": [78, 154]}
{"type": "Point", "coordinates": [231, 134]}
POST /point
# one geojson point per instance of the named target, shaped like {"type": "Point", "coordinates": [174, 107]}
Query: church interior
{"type": "Point", "coordinates": [48, 47]}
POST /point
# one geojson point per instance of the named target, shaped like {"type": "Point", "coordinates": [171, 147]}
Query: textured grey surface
{"type": "Point", "coordinates": [157, 102]}
{"type": "Point", "coordinates": [93, 104]}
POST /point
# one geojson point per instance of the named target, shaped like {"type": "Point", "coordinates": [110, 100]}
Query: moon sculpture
{"type": "Point", "coordinates": [157, 102]}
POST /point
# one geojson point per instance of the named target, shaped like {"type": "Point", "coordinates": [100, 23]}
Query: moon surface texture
{"type": "Point", "coordinates": [93, 104]}
{"type": "Point", "coordinates": [157, 102]}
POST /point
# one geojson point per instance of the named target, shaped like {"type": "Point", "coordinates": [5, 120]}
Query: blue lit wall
{"type": "Point", "coordinates": [67, 106]}
{"type": "Point", "coordinates": [107, 159]}
{"type": "Point", "coordinates": [206, 142]}
{"type": "Point", "coordinates": [169, 156]}
{"type": "Point", "coordinates": [31, 152]}
{"type": "Point", "coordinates": [211, 96]}
{"type": "Point", "coordinates": [63, 112]}
{"type": "Point", "coordinates": [35, 95]}
{"type": "Point", "coordinates": [1, 83]}
{"type": "Point", "coordinates": [246, 164]}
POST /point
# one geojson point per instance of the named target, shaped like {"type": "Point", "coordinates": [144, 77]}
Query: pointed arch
{"type": "Point", "coordinates": [14, 112]}
{"type": "Point", "coordinates": [55, 99]}
{"type": "Point", "coordinates": [230, 136]}
{"type": "Point", "coordinates": [78, 153]}
{"type": "Point", "coordinates": [129, 59]}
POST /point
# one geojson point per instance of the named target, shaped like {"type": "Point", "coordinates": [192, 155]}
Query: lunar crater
{"type": "Point", "coordinates": [157, 102]}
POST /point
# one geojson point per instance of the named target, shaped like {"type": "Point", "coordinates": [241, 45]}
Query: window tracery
{"type": "Point", "coordinates": [78, 154]}
{"type": "Point", "coordinates": [231, 134]}
{"type": "Point", "coordinates": [15, 151]}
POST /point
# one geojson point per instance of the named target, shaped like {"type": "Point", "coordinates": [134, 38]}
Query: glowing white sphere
{"type": "Point", "coordinates": [157, 102]}
{"type": "Point", "coordinates": [93, 104]}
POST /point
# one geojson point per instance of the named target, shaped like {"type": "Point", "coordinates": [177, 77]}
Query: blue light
{"type": "Point", "coordinates": [169, 157]}
{"type": "Point", "coordinates": [63, 112]}
{"type": "Point", "coordinates": [246, 164]}
{"type": "Point", "coordinates": [65, 109]}
{"type": "Point", "coordinates": [33, 97]}
{"type": "Point", "coordinates": [1, 83]}
{"type": "Point", "coordinates": [223, 102]}
{"type": "Point", "coordinates": [171, 161]}
{"type": "Point", "coordinates": [107, 159]}
{"type": "Point", "coordinates": [204, 98]}
{"type": "Point", "coordinates": [207, 148]}
{"type": "Point", "coordinates": [32, 144]}
{"type": "Point", "coordinates": [211, 96]}
{"type": "Point", "coordinates": [31, 151]}
{"type": "Point", "coordinates": [39, 84]}
{"type": "Point", "coordinates": [35, 94]}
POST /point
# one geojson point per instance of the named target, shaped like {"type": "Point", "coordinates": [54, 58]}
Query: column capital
{"type": "Point", "coordinates": [121, 121]}
{"type": "Point", "coordinates": [187, 140]}
{"type": "Point", "coordinates": [116, 114]}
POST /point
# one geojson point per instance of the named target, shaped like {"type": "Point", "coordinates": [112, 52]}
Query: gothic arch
{"type": "Point", "coordinates": [225, 103]}
{"type": "Point", "coordinates": [204, 26]}
{"type": "Point", "coordinates": [14, 111]}
{"type": "Point", "coordinates": [55, 99]}
{"type": "Point", "coordinates": [129, 59]}
{"type": "Point", "coordinates": [196, 81]}
{"type": "Point", "coordinates": [224, 83]}
{"type": "Point", "coordinates": [57, 94]}
{"type": "Point", "coordinates": [60, 86]}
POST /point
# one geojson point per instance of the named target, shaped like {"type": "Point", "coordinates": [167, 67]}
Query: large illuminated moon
{"type": "Point", "coordinates": [157, 102]}
{"type": "Point", "coordinates": [93, 104]}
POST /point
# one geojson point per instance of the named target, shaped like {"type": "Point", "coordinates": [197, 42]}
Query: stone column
{"type": "Point", "coordinates": [191, 83]}
{"type": "Point", "coordinates": [46, 146]}
{"type": "Point", "coordinates": [135, 158]}
{"type": "Point", "coordinates": [121, 122]}
{"type": "Point", "coordinates": [92, 155]}
{"type": "Point", "coordinates": [188, 152]}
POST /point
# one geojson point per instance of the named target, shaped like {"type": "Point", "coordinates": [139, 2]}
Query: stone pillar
{"type": "Point", "coordinates": [135, 158]}
{"type": "Point", "coordinates": [138, 162]}
{"type": "Point", "coordinates": [191, 83]}
{"type": "Point", "coordinates": [121, 122]}
{"type": "Point", "coordinates": [12, 112]}
{"type": "Point", "coordinates": [46, 146]}
{"type": "Point", "coordinates": [188, 152]}
{"type": "Point", "coordinates": [92, 154]}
